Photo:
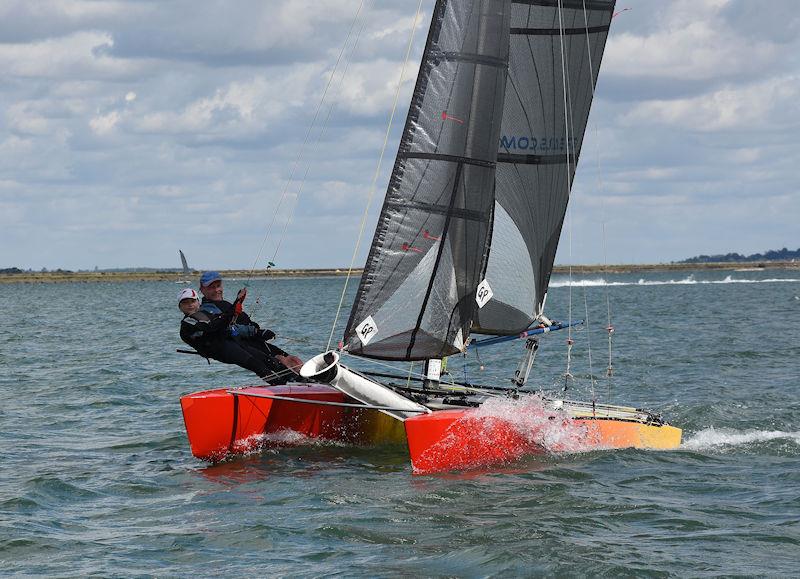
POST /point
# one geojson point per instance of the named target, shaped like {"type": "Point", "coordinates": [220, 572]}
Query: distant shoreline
{"type": "Point", "coordinates": [127, 276]}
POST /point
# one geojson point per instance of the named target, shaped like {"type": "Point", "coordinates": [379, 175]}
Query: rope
{"type": "Point", "coordinates": [323, 402]}
{"type": "Point", "coordinates": [317, 144]}
{"type": "Point", "coordinates": [305, 140]}
{"type": "Point", "coordinates": [609, 326]}
{"type": "Point", "coordinates": [377, 173]}
{"type": "Point", "coordinates": [390, 366]}
{"type": "Point", "coordinates": [299, 157]}
{"type": "Point", "coordinates": [567, 374]}
{"type": "Point", "coordinates": [589, 344]}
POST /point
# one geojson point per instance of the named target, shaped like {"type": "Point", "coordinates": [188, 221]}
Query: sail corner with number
{"type": "Point", "coordinates": [480, 184]}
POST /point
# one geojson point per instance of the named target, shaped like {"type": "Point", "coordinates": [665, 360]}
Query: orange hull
{"type": "Point", "coordinates": [464, 439]}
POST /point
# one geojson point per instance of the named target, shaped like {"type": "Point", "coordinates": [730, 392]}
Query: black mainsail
{"type": "Point", "coordinates": [491, 73]}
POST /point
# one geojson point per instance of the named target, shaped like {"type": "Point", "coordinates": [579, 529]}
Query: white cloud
{"type": "Point", "coordinates": [370, 87]}
{"type": "Point", "coordinates": [24, 119]}
{"type": "Point", "coordinates": [83, 54]}
{"type": "Point", "coordinates": [240, 108]}
{"type": "Point", "coordinates": [72, 9]}
{"type": "Point", "coordinates": [762, 105]}
{"type": "Point", "coordinates": [104, 124]}
{"type": "Point", "coordinates": [692, 42]}
{"type": "Point", "coordinates": [140, 122]}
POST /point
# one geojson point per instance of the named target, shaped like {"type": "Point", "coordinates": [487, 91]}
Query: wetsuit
{"type": "Point", "coordinates": [209, 331]}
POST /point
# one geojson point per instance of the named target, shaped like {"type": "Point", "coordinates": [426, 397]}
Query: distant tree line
{"type": "Point", "coordinates": [13, 270]}
{"type": "Point", "coordinates": [772, 255]}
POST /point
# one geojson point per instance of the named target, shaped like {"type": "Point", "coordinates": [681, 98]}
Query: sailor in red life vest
{"type": "Point", "coordinates": [220, 330]}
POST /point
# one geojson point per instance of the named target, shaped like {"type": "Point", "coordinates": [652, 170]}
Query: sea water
{"type": "Point", "coordinates": [96, 476]}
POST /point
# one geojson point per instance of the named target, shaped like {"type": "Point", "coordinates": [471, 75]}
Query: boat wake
{"type": "Point", "coordinates": [690, 280]}
{"type": "Point", "coordinates": [712, 438]}
{"type": "Point", "coordinates": [281, 439]}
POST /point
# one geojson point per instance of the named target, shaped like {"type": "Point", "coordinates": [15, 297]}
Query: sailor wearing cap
{"type": "Point", "coordinates": [220, 330]}
{"type": "Point", "coordinates": [188, 301]}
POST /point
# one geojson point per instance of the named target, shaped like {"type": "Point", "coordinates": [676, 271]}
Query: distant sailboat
{"type": "Point", "coordinates": [186, 271]}
{"type": "Point", "coordinates": [465, 245]}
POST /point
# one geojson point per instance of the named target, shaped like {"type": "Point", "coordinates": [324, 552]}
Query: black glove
{"type": "Point", "coordinates": [266, 335]}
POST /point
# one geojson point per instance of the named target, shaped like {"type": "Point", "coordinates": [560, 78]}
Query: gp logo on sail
{"type": "Point", "coordinates": [523, 143]}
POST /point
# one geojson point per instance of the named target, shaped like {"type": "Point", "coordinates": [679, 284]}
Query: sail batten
{"type": "Point", "coordinates": [446, 158]}
{"type": "Point", "coordinates": [558, 31]}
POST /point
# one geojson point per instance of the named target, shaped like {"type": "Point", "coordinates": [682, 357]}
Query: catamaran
{"type": "Point", "coordinates": [464, 246]}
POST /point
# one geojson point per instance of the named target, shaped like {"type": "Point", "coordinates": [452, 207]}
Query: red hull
{"type": "Point", "coordinates": [224, 422]}
{"type": "Point", "coordinates": [451, 440]}
{"type": "Point", "coordinates": [465, 439]}
{"type": "Point", "coordinates": [219, 423]}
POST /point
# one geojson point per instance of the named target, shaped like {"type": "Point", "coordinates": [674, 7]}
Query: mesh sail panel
{"type": "Point", "coordinates": [431, 244]}
{"type": "Point", "coordinates": [539, 149]}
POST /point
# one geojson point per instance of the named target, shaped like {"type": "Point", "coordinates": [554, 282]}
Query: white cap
{"type": "Point", "coordinates": [186, 294]}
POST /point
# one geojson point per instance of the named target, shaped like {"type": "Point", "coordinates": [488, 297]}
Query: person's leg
{"type": "Point", "coordinates": [273, 352]}
{"type": "Point", "coordinates": [277, 372]}
{"type": "Point", "coordinates": [233, 352]}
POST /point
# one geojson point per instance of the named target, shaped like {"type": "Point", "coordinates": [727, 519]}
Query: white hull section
{"type": "Point", "coordinates": [326, 368]}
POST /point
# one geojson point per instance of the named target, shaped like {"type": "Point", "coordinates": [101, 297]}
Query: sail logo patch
{"type": "Point", "coordinates": [542, 144]}
{"type": "Point", "coordinates": [483, 294]}
{"type": "Point", "coordinates": [366, 330]}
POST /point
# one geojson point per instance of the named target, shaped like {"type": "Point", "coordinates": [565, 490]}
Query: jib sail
{"type": "Point", "coordinates": [538, 149]}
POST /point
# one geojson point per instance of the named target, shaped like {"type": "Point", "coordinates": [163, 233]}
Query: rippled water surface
{"type": "Point", "coordinates": [97, 477]}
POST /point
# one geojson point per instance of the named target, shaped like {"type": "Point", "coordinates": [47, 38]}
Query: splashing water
{"type": "Point", "coordinates": [689, 280]}
{"type": "Point", "coordinates": [502, 431]}
{"type": "Point", "coordinates": [280, 439]}
{"type": "Point", "coordinates": [553, 430]}
{"type": "Point", "coordinates": [711, 438]}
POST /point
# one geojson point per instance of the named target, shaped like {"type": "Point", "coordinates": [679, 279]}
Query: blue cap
{"type": "Point", "coordinates": [209, 277]}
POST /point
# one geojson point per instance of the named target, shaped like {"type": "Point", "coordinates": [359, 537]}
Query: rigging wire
{"type": "Point", "coordinates": [570, 342]}
{"type": "Point", "coordinates": [317, 146]}
{"type": "Point", "coordinates": [599, 176]}
{"type": "Point", "coordinates": [411, 372]}
{"type": "Point", "coordinates": [301, 150]}
{"type": "Point", "coordinates": [377, 173]}
{"type": "Point", "coordinates": [589, 345]}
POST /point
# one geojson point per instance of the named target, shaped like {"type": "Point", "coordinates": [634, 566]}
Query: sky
{"type": "Point", "coordinates": [132, 129]}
